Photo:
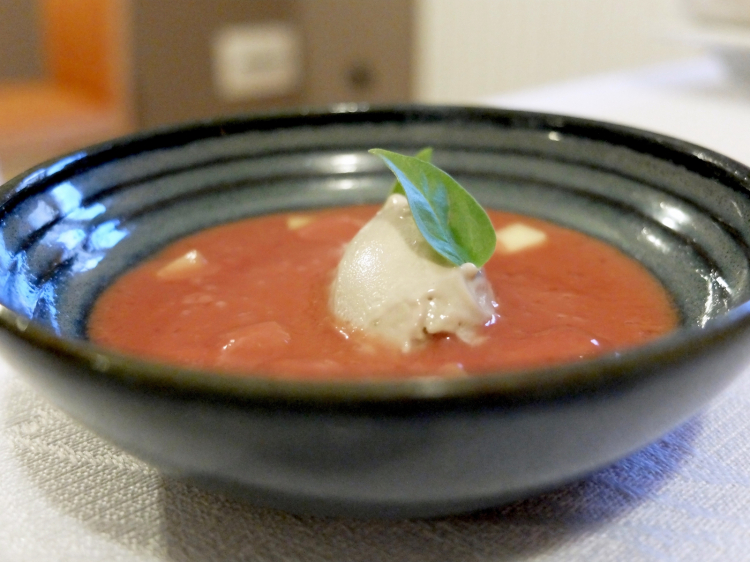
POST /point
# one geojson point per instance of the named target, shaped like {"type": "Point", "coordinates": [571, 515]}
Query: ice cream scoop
{"type": "Point", "coordinates": [390, 283]}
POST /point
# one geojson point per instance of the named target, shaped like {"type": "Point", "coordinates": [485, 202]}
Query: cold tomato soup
{"type": "Point", "coordinates": [253, 296]}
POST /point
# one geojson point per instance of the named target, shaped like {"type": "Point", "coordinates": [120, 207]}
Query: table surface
{"type": "Point", "coordinates": [66, 495]}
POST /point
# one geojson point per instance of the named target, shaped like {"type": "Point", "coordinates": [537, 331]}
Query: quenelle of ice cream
{"type": "Point", "coordinates": [392, 284]}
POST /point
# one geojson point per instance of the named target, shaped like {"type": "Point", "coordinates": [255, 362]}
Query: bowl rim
{"type": "Point", "coordinates": [522, 386]}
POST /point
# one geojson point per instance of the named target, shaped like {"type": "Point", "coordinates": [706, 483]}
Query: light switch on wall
{"type": "Point", "coordinates": [254, 61]}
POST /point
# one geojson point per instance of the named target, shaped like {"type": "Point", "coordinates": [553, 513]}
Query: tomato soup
{"type": "Point", "coordinates": [253, 296]}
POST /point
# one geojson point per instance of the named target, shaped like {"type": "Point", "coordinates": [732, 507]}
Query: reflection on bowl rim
{"type": "Point", "coordinates": [559, 381]}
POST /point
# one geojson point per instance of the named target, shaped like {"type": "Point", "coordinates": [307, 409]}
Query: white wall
{"type": "Point", "coordinates": [468, 49]}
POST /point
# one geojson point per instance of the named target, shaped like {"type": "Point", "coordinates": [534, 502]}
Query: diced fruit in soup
{"type": "Point", "coordinates": [253, 297]}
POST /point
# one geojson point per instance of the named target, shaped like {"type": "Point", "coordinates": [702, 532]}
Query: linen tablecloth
{"type": "Point", "coordinates": [67, 495]}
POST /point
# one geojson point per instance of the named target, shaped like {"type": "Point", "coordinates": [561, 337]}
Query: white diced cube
{"type": "Point", "coordinates": [517, 237]}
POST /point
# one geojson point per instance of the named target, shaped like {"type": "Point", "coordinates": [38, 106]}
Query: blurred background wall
{"type": "Point", "coordinates": [20, 57]}
{"type": "Point", "coordinates": [467, 49]}
{"type": "Point", "coordinates": [190, 59]}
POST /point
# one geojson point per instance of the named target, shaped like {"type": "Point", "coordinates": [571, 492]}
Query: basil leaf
{"type": "Point", "coordinates": [449, 218]}
{"type": "Point", "coordinates": [426, 156]}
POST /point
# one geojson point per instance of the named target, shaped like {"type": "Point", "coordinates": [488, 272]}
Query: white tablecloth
{"type": "Point", "coordinates": [66, 495]}
{"type": "Point", "coordinates": [695, 100]}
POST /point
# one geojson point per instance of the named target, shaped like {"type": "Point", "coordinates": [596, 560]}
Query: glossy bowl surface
{"type": "Point", "coordinates": [420, 447]}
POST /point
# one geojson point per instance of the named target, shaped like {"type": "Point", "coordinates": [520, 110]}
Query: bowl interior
{"type": "Point", "coordinates": [70, 227]}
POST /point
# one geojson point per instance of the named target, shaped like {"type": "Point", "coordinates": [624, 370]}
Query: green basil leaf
{"type": "Point", "coordinates": [426, 156]}
{"type": "Point", "coordinates": [449, 218]}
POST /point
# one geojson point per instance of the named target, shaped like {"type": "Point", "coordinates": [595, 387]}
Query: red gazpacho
{"type": "Point", "coordinates": [253, 296]}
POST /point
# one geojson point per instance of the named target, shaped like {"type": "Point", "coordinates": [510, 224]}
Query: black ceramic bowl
{"type": "Point", "coordinates": [419, 447]}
